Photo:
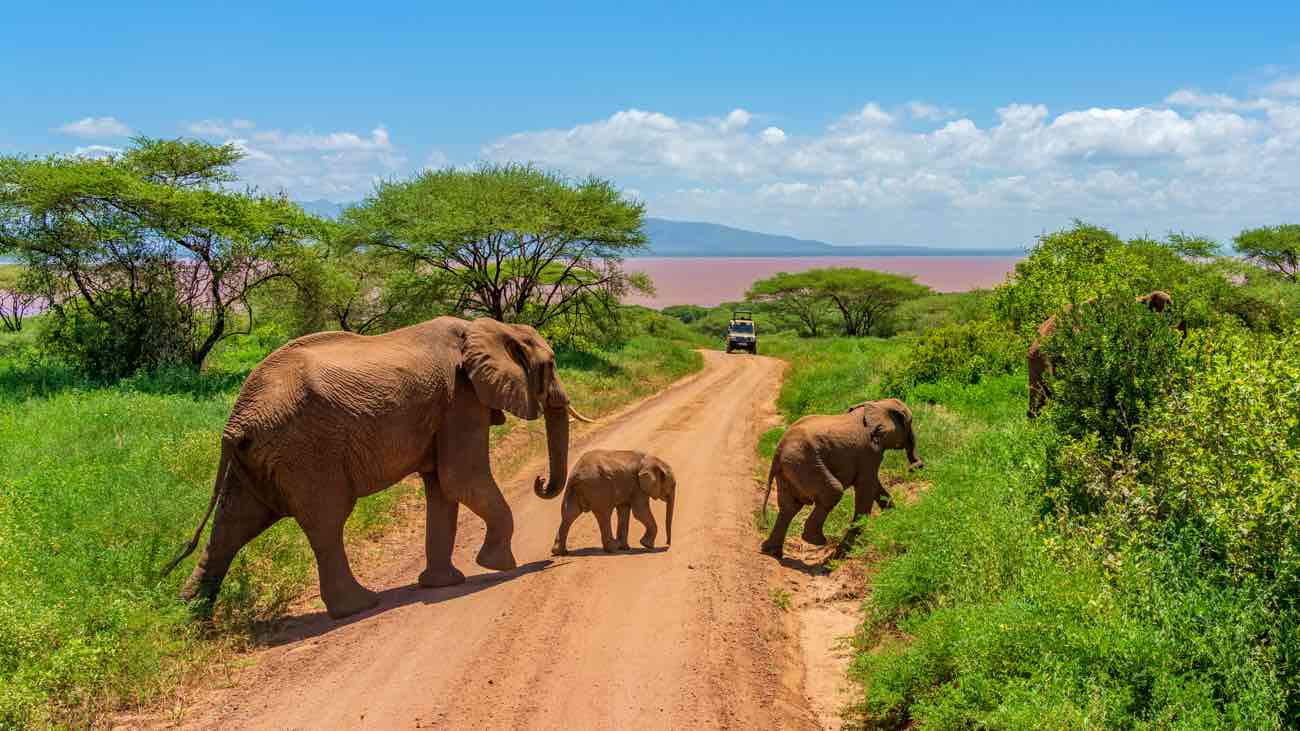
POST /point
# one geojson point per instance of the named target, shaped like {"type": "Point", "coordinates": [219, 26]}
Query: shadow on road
{"type": "Point", "coordinates": [803, 567]}
{"type": "Point", "coordinates": [598, 551]}
{"type": "Point", "coordinates": [315, 624]}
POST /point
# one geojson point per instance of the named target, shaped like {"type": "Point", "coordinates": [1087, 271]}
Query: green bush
{"type": "Point", "coordinates": [933, 311]}
{"type": "Point", "coordinates": [963, 354]}
{"type": "Point", "coordinates": [1113, 360]}
{"type": "Point", "coordinates": [125, 333]}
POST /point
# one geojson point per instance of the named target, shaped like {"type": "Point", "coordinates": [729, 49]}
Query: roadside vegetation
{"type": "Point", "coordinates": [142, 294]}
{"type": "Point", "coordinates": [1129, 559]}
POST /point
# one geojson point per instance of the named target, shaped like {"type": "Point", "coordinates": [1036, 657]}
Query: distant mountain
{"type": "Point", "coordinates": [690, 238]}
{"type": "Point", "coordinates": [323, 208]}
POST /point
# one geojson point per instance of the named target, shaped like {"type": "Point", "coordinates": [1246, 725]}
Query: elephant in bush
{"type": "Point", "coordinates": [1041, 367]}
{"type": "Point", "coordinates": [821, 455]}
{"type": "Point", "coordinates": [332, 417]}
{"type": "Point", "coordinates": [607, 479]}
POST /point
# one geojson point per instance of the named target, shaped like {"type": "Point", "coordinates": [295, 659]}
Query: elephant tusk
{"type": "Point", "coordinates": [574, 413]}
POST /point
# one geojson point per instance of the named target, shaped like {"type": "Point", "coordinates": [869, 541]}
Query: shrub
{"type": "Point", "coordinates": [1113, 360]}
{"type": "Point", "coordinates": [963, 354]}
{"type": "Point", "coordinates": [123, 334]}
{"type": "Point", "coordinates": [927, 313]}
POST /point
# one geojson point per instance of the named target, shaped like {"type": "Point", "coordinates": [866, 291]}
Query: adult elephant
{"type": "Point", "coordinates": [332, 417]}
{"type": "Point", "coordinates": [1040, 365]}
{"type": "Point", "coordinates": [820, 456]}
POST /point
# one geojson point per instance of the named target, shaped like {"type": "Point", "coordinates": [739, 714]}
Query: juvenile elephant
{"type": "Point", "coordinates": [332, 417]}
{"type": "Point", "coordinates": [607, 479]}
{"type": "Point", "coordinates": [1041, 367]}
{"type": "Point", "coordinates": [822, 455]}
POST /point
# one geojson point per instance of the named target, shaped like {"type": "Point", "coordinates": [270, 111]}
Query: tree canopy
{"type": "Point", "coordinates": [513, 242]}
{"type": "Point", "coordinates": [146, 241]}
{"type": "Point", "coordinates": [1274, 247]}
{"type": "Point", "coordinates": [862, 298]}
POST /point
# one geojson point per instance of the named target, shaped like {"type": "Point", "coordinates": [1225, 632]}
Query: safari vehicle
{"type": "Point", "coordinates": [741, 334]}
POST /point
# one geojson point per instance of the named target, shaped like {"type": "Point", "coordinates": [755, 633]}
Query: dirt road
{"type": "Point", "coordinates": [681, 638]}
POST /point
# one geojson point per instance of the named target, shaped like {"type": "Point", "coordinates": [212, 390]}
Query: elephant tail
{"type": "Point", "coordinates": [224, 468]}
{"type": "Point", "coordinates": [771, 475]}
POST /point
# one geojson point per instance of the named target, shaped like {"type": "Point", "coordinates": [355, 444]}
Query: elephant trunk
{"type": "Point", "coordinates": [557, 448]}
{"type": "Point", "coordinates": [910, 446]}
{"type": "Point", "coordinates": [668, 516]}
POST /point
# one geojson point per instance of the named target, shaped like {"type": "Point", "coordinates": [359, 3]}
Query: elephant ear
{"type": "Point", "coordinates": [504, 366]}
{"type": "Point", "coordinates": [651, 479]}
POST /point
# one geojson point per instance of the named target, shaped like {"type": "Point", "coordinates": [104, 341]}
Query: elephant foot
{"type": "Point", "coordinates": [774, 550]}
{"type": "Point", "coordinates": [355, 601]}
{"type": "Point", "coordinates": [559, 550]}
{"type": "Point", "coordinates": [814, 536]}
{"type": "Point", "coordinates": [624, 547]}
{"type": "Point", "coordinates": [647, 542]}
{"type": "Point", "coordinates": [610, 547]}
{"type": "Point", "coordinates": [432, 579]}
{"type": "Point", "coordinates": [497, 558]}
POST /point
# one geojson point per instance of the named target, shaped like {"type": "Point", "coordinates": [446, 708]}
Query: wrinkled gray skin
{"type": "Point", "coordinates": [821, 456]}
{"type": "Point", "coordinates": [604, 480]}
{"type": "Point", "coordinates": [332, 417]}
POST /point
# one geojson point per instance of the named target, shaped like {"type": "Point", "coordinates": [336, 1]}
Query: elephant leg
{"type": "Point", "coordinates": [569, 512]}
{"type": "Point", "coordinates": [624, 518]}
{"type": "Point", "coordinates": [603, 516]}
{"type": "Point", "coordinates": [826, 492]}
{"type": "Point", "coordinates": [868, 491]}
{"type": "Point", "coordinates": [641, 508]}
{"type": "Point", "coordinates": [339, 589]}
{"type": "Point", "coordinates": [439, 535]}
{"type": "Point", "coordinates": [464, 472]}
{"type": "Point", "coordinates": [1039, 392]}
{"type": "Point", "coordinates": [787, 508]}
{"type": "Point", "coordinates": [240, 518]}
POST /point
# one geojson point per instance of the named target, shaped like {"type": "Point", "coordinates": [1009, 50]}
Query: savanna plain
{"type": "Point", "coordinates": [1128, 559]}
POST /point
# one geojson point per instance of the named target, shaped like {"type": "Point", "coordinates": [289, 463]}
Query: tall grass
{"type": "Point", "coordinates": [99, 485]}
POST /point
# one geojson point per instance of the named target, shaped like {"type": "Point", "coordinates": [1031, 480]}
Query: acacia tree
{"type": "Point", "coordinates": [147, 250]}
{"type": "Point", "coordinates": [863, 298]}
{"type": "Point", "coordinates": [796, 293]}
{"type": "Point", "coordinates": [1274, 247]}
{"type": "Point", "coordinates": [17, 297]}
{"type": "Point", "coordinates": [516, 243]}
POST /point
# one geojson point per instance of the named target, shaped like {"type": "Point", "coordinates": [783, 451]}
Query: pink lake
{"type": "Point", "coordinates": [709, 281]}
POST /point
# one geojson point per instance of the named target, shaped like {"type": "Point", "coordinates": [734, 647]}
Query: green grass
{"type": "Point", "coordinates": [984, 613]}
{"type": "Point", "coordinates": [99, 486]}
{"type": "Point", "coordinates": [827, 375]}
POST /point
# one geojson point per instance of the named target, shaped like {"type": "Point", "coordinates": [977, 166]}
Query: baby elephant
{"type": "Point", "coordinates": [606, 479]}
{"type": "Point", "coordinates": [821, 456]}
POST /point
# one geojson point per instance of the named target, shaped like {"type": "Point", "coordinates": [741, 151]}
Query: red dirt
{"type": "Point", "coordinates": [682, 638]}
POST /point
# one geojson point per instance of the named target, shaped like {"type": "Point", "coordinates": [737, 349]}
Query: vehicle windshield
{"type": "Point", "coordinates": [742, 327]}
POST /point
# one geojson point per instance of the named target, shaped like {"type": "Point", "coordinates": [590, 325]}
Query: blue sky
{"type": "Point", "coordinates": [976, 124]}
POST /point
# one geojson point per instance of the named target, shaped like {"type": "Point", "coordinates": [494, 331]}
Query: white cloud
{"type": "Point", "coordinates": [96, 127]}
{"type": "Point", "coordinates": [1195, 160]}
{"type": "Point", "coordinates": [1288, 87]}
{"type": "Point", "coordinates": [736, 119]}
{"type": "Point", "coordinates": [927, 112]}
{"type": "Point", "coordinates": [872, 115]}
{"type": "Point", "coordinates": [96, 151]}
{"type": "Point", "coordinates": [436, 160]}
{"type": "Point", "coordinates": [341, 166]}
